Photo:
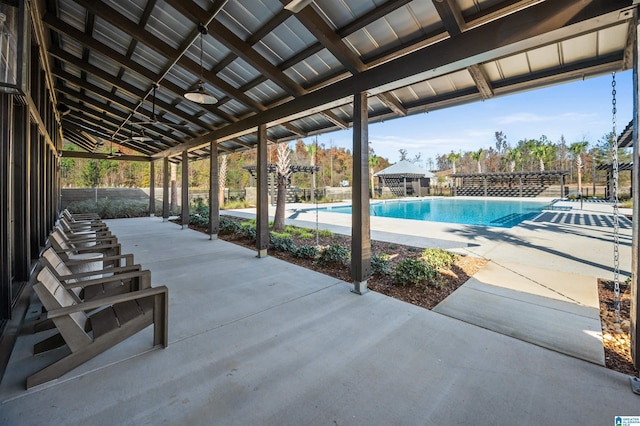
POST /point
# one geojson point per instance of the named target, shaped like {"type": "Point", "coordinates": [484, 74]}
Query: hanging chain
{"type": "Point", "coordinates": [616, 224]}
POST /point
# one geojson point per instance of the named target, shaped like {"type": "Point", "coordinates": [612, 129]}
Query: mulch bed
{"type": "Point", "coordinates": [615, 335]}
{"type": "Point", "coordinates": [616, 340]}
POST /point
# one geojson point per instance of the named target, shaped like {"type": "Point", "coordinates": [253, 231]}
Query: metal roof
{"type": "Point", "coordinates": [297, 72]}
{"type": "Point", "coordinates": [405, 168]}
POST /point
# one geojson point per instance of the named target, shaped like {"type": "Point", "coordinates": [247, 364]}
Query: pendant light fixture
{"type": "Point", "coordinates": [200, 95]}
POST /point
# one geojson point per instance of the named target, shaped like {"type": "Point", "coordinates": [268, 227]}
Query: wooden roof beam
{"type": "Point", "coordinates": [329, 39]}
{"type": "Point", "coordinates": [451, 16]}
{"type": "Point", "coordinates": [335, 119]}
{"type": "Point", "coordinates": [124, 24]}
{"type": "Point", "coordinates": [392, 103]}
{"type": "Point", "coordinates": [482, 81]}
{"type": "Point", "coordinates": [62, 27]}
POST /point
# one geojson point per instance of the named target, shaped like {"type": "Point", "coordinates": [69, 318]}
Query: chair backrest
{"type": "Point", "coordinates": [66, 225]}
{"type": "Point", "coordinates": [86, 234]}
{"type": "Point", "coordinates": [51, 259]}
{"type": "Point", "coordinates": [53, 295]}
{"type": "Point", "coordinates": [67, 214]}
{"type": "Point", "coordinates": [59, 243]}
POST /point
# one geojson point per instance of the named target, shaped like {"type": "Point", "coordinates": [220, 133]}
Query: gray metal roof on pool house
{"type": "Point", "coordinates": [405, 168]}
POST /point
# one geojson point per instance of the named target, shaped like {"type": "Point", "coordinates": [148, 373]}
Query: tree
{"type": "Point", "coordinates": [374, 161]}
{"type": "Point", "coordinates": [453, 157]}
{"type": "Point", "coordinates": [91, 174]}
{"type": "Point", "coordinates": [283, 171]}
{"type": "Point", "coordinates": [403, 154]}
{"type": "Point", "coordinates": [501, 142]}
{"type": "Point", "coordinates": [543, 150]}
{"type": "Point", "coordinates": [174, 188]}
{"type": "Point", "coordinates": [222, 178]}
{"type": "Point", "coordinates": [577, 149]}
{"type": "Point", "coordinates": [513, 156]}
{"type": "Point", "coordinates": [312, 150]}
{"type": "Point", "coordinates": [477, 157]}
{"type": "Point", "coordinates": [562, 152]}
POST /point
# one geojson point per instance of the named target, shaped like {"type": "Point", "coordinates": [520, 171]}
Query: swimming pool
{"type": "Point", "coordinates": [498, 213]}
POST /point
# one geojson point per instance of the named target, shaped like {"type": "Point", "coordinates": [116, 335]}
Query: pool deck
{"type": "Point", "coordinates": [540, 284]}
{"type": "Point", "coordinates": [265, 342]}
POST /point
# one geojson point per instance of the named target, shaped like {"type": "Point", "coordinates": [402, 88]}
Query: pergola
{"type": "Point", "coordinates": [93, 72]}
{"type": "Point", "coordinates": [397, 176]}
{"type": "Point", "coordinates": [508, 184]}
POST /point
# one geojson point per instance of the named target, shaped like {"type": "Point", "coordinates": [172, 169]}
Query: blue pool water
{"type": "Point", "coordinates": [499, 213]}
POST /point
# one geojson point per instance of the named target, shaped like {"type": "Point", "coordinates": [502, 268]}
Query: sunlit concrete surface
{"type": "Point", "coordinates": [261, 341]}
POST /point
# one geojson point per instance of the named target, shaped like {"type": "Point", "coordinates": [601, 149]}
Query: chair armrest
{"type": "Point", "coordinates": [113, 271]}
{"type": "Point", "coordinates": [89, 233]}
{"type": "Point", "coordinates": [91, 249]}
{"type": "Point", "coordinates": [85, 239]}
{"type": "Point", "coordinates": [144, 276]}
{"type": "Point", "coordinates": [108, 301]}
{"type": "Point", "coordinates": [81, 225]}
{"type": "Point", "coordinates": [127, 257]}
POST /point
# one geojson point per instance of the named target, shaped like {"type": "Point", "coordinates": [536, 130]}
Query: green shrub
{"type": "Point", "coordinates": [228, 226]}
{"type": "Point", "coordinates": [380, 264]}
{"type": "Point", "coordinates": [281, 242]}
{"type": "Point", "coordinates": [198, 220]}
{"type": "Point", "coordinates": [415, 272]}
{"type": "Point", "coordinates": [236, 204]}
{"type": "Point", "coordinates": [439, 258]}
{"type": "Point", "coordinates": [248, 230]}
{"type": "Point", "coordinates": [111, 209]}
{"type": "Point", "coordinates": [334, 254]}
{"type": "Point", "coordinates": [306, 252]}
{"type": "Point", "coordinates": [198, 206]}
{"type": "Point", "coordinates": [325, 233]}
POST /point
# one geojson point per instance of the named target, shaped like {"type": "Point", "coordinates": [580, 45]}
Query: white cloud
{"type": "Point", "coordinates": [528, 117]}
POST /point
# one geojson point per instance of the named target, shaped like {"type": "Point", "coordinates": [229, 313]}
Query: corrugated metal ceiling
{"type": "Point", "coordinates": [296, 73]}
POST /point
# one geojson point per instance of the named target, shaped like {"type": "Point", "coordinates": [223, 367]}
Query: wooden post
{"type": "Point", "coordinates": [152, 188]}
{"type": "Point", "coordinates": [185, 189]}
{"type": "Point", "coordinates": [21, 202]}
{"type": "Point", "coordinates": [262, 210]}
{"type": "Point", "coordinates": [214, 189]}
{"type": "Point", "coordinates": [635, 265]}
{"type": "Point", "coordinates": [361, 231]}
{"type": "Point", "coordinates": [165, 190]}
{"type": "Point", "coordinates": [6, 138]}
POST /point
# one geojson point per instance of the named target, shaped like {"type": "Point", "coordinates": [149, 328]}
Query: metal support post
{"type": "Point", "coordinates": [262, 212]}
{"type": "Point", "coordinates": [361, 231]}
{"type": "Point", "coordinates": [152, 188]}
{"type": "Point", "coordinates": [185, 189]}
{"type": "Point", "coordinates": [165, 190]}
{"type": "Point", "coordinates": [214, 189]}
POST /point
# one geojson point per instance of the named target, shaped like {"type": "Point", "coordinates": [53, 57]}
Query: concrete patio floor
{"type": "Point", "coordinates": [261, 341]}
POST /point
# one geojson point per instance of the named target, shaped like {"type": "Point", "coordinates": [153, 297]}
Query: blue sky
{"type": "Point", "coordinates": [579, 110]}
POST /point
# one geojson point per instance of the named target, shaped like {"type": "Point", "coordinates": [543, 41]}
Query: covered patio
{"type": "Point", "coordinates": [277, 344]}
{"type": "Point", "coordinates": [176, 81]}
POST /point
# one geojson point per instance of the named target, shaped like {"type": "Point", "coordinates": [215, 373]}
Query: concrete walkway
{"type": "Point", "coordinates": [261, 341]}
{"type": "Point", "coordinates": [540, 284]}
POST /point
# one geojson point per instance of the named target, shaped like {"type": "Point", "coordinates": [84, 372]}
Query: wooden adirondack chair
{"type": "Point", "coordinates": [98, 282]}
{"type": "Point", "coordinates": [74, 227]}
{"type": "Point", "coordinates": [121, 316]}
{"type": "Point", "coordinates": [64, 247]}
{"type": "Point", "coordinates": [80, 216]}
